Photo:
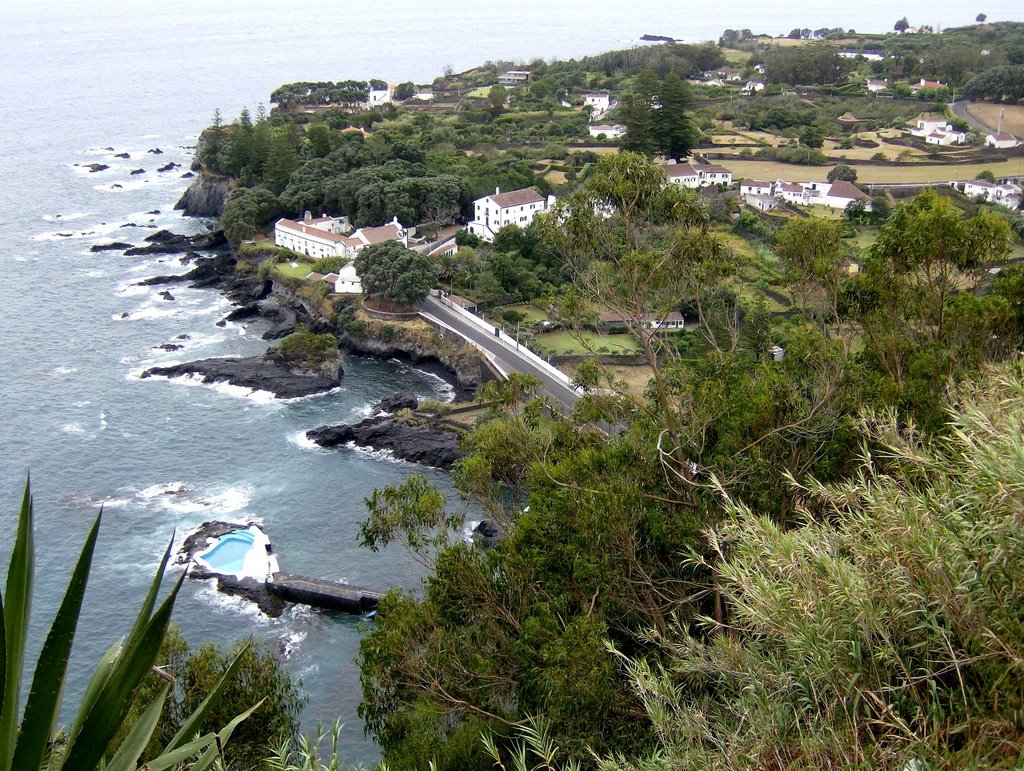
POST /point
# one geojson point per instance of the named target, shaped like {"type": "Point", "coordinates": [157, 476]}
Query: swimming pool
{"type": "Point", "coordinates": [228, 554]}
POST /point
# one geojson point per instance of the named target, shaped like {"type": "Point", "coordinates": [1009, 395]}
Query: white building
{"type": "Point", "coordinates": [513, 78]}
{"type": "Point", "coordinates": [835, 195]}
{"type": "Point", "coordinates": [696, 174]}
{"type": "Point", "coordinates": [518, 207]}
{"type": "Point", "coordinates": [348, 281]}
{"type": "Point", "coordinates": [1005, 194]}
{"type": "Point", "coordinates": [754, 187]}
{"type": "Point", "coordinates": [945, 138]}
{"type": "Point", "coordinates": [379, 97]}
{"type": "Point", "coordinates": [598, 102]}
{"type": "Point", "coordinates": [1001, 141]}
{"type": "Point", "coordinates": [760, 202]}
{"type": "Point", "coordinates": [753, 87]}
{"type": "Point", "coordinates": [325, 236]}
{"type": "Point", "coordinates": [611, 132]}
{"type": "Point", "coordinates": [871, 56]}
{"type": "Point", "coordinates": [874, 86]}
{"type": "Point", "coordinates": [936, 131]}
{"type": "Point", "coordinates": [923, 83]}
{"type": "Point", "coordinates": [673, 320]}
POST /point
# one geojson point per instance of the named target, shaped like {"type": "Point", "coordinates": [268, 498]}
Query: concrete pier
{"type": "Point", "coordinates": [318, 593]}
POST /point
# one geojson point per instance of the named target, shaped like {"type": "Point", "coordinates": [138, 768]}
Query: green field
{"type": "Point", "coordinates": [570, 342]}
{"type": "Point", "coordinates": [300, 271]}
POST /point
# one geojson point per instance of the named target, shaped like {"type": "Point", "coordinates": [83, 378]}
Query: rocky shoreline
{"type": "Point", "coordinates": [417, 440]}
{"type": "Point", "coordinates": [259, 373]}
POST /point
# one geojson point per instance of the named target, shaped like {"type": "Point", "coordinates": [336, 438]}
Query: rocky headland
{"type": "Point", "coordinates": [259, 373]}
{"type": "Point", "coordinates": [417, 440]}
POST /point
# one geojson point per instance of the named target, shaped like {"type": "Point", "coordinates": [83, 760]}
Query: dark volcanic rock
{"type": "Point", "coordinates": [187, 175]}
{"type": "Point", "coordinates": [487, 533]}
{"type": "Point", "coordinates": [116, 246]}
{"type": "Point", "coordinates": [137, 171]}
{"type": "Point", "coordinates": [170, 166]}
{"type": "Point", "coordinates": [169, 347]}
{"type": "Point", "coordinates": [116, 186]}
{"type": "Point", "coordinates": [155, 211]}
{"type": "Point", "coordinates": [428, 443]}
{"type": "Point", "coordinates": [166, 242]}
{"type": "Point", "coordinates": [243, 312]}
{"type": "Point", "coordinates": [205, 197]}
{"type": "Point", "coordinates": [94, 167]}
{"type": "Point", "coordinates": [208, 271]}
{"type": "Point", "coordinates": [464, 374]}
{"type": "Point", "coordinates": [122, 155]}
{"type": "Point", "coordinates": [167, 295]}
{"type": "Point", "coordinates": [255, 372]}
{"type": "Point", "coordinates": [396, 402]}
{"type": "Point", "coordinates": [155, 151]}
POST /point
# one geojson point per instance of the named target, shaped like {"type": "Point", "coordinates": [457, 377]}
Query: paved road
{"type": "Point", "coordinates": [502, 355]}
{"type": "Point", "coordinates": [960, 110]}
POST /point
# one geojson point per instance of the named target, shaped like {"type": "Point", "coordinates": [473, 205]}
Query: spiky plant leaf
{"type": "Point", "coordinates": [135, 743]}
{"type": "Point", "coordinates": [16, 618]}
{"type": "Point", "coordinates": [48, 682]}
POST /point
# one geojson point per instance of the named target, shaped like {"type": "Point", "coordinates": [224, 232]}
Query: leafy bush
{"type": "Point", "coordinates": [439, 408]}
{"type": "Point", "coordinates": [327, 265]}
{"type": "Point", "coordinates": [305, 348]}
{"type": "Point", "coordinates": [805, 156]}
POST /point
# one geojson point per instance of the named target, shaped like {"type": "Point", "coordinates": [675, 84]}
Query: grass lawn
{"type": "Point", "coordinates": [567, 342]}
{"type": "Point", "coordinates": [300, 271]}
{"type": "Point", "coordinates": [635, 379]}
{"type": "Point", "coordinates": [479, 93]}
{"type": "Point", "coordinates": [530, 312]}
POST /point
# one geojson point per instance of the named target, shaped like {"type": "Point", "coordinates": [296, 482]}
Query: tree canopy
{"type": "Point", "coordinates": [391, 273]}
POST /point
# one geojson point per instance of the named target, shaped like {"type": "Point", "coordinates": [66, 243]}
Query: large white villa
{"type": "Point", "coordinates": [518, 207]}
{"type": "Point", "coordinates": [329, 237]}
{"type": "Point", "coordinates": [696, 174]}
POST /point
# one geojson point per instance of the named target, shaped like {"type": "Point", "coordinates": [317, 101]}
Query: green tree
{"type": "Point", "coordinates": [282, 159]}
{"type": "Point", "coordinates": [902, 25]}
{"type": "Point", "coordinates": [404, 91]}
{"type": "Point", "coordinates": [674, 130]}
{"type": "Point", "coordinates": [247, 211]}
{"type": "Point", "coordinates": [239, 157]}
{"type": "Point", "coordinates": [320, 139]}
{"type": "Point", "coordinates": [637, 113]}
{"type": "Point", "coordinates": [393, 274]}
{"type": "Point", "coordinates": [842, 171]}
{"type": "Point", "coordinates": [497, 97]}
{"type": "Point", "coordinates": [214, 143]}
{"type": "Point", "coordinates": [813, 252]}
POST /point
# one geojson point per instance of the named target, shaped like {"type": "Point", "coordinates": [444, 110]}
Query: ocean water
{"type": "Point", "coordinates": [81, 82]}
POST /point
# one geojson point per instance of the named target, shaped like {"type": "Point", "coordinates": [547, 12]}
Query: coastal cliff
{"type": "Point", "coordinates": [206, 195]}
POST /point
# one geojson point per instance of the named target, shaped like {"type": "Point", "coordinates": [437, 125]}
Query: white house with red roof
{"type": "Point", "coordinates": [329, 237]}
{"type": "Point", "coordinates": [1002, 141]}
{"type": "Point", "coordinates": [518, 207]}
{"type": "Point", "coordinates": [696, 174]}
{"type": "Point", "coordinates": [835, 195]}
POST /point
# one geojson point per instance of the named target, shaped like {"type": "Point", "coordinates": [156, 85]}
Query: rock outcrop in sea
{"type": "Point", "coordinates": [206, 196]}
{"type": "Point", "coordinates": [259, 373]}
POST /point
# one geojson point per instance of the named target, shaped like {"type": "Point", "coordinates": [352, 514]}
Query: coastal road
{"type": "Point", "coordinates": [502, 355]}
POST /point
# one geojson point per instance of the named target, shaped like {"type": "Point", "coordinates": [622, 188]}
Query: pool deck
{"type": "Point", "coordinates": [319, 593]}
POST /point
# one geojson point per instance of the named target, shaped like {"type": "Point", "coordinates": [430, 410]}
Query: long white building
{"type": "Point", "coordinates": [518, 207]}
{"type": "Point", "coordinates": [696, 174]}
{"type": "Point", "coordinates": [329, 237]}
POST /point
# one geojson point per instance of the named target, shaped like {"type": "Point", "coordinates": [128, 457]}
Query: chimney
{"type": "Point", "coordinates": [497, 190]}
{"type": "Point", "coordinates": [307, 216]}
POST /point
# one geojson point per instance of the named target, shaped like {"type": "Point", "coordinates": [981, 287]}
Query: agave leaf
{"type": "Point", "coordinates": [213, 751]}
{"type": "Point", "coordinates": [171, 759]}
{"type": "Point", "coordinates": [16, 616]}
{"type": "Point", "coordinates": [135, 743]}
{"type": "Point", "coordinates": [48, 682]}
{"type": "Point", "coordinates": [191, 725]}
{"type": "Point", "coordinates": [113, 701]}
{"type": "Point", "coordinates": [146, 611]}
{"type": "Point", "coordinates": [99, 678]}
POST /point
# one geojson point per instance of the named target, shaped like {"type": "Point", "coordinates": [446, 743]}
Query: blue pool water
{"type": "Point", "coordinates": [229, 553]}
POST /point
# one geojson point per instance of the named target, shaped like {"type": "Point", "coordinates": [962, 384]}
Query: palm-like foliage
{"type": "Point", "coordinates": [33, 741]}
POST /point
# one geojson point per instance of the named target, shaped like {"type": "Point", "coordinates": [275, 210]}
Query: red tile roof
{"type": "Point", "coordinates": [517, 197]}
{"type": "Point", "coordinates": [843, 189]}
